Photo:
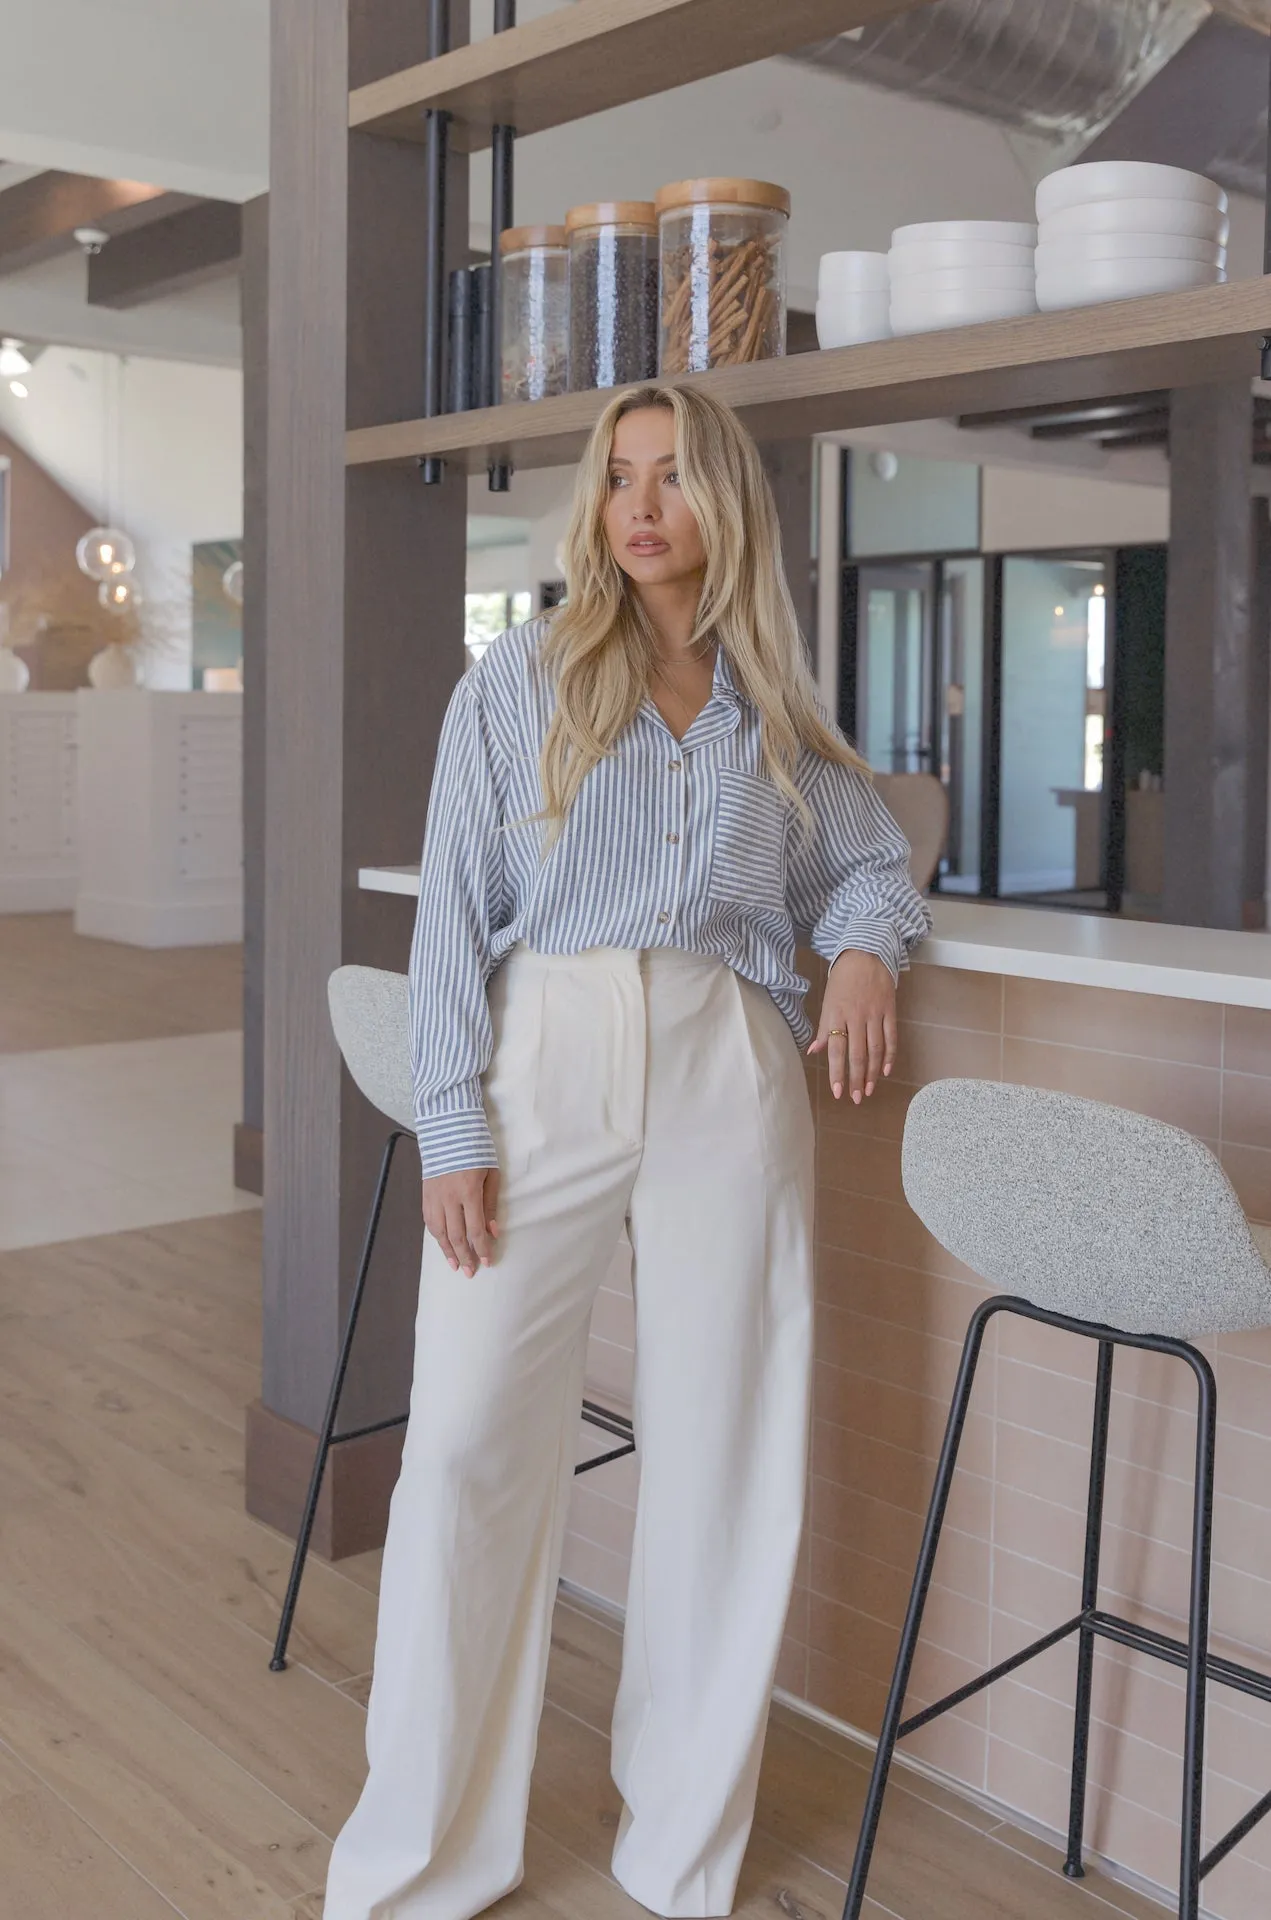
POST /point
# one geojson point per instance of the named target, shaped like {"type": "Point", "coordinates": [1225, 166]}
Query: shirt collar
{"type": "Point", "coordinates": [719, 717]}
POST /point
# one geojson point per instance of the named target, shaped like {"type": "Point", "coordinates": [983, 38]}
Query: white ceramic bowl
{"type": "Point", "coordinates": [848, 321]}
{"type": "Point", "coordinates": [1122, 280]}
{"type": "Point", "coordinates": [1016, 233]}
{"type": "Point", "coordinates": [1121, 180]}
{"type": "Point", "coordinates": [924, 256]}
{"type": "Point", "coordinates": [1137, 216]}
{"type": "Point", "coordinates": [1059, 255]}
{"type": "Point", "coordinates": [926, 313]}
{"type": "Point", "coordinates": [867, 271]}
{"type": "Point", "coordinates": [966, 279]}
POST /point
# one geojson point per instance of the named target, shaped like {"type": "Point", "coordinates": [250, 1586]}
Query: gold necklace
{"type": "Point", "coordinates": [673, 690]}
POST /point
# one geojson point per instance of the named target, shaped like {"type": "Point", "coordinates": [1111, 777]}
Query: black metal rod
{"type": "Point", "coordinates": [377, 1426]}
{"type": "Point", "coordinates": [890, 1732]}
{"type": "Point", "coordinates": [279, 1659]}
{"type": "Point", "coordinates": [1198, 1637]}
{"type": "Point", "coordinates": [1073, 1867]}
{"type": "Point", "coordinates": [599, 1416]}
{"type": "Point", "coordinates": [1230, 1841]}
{"type": "Point", "coordinates": [999, 1672]}
{"type": "Point", "coordinates": [601, 1459]}
{"type": "Point", "coordinates": [437, 140]}
{"type": "Point", "coordinates": [1128, 1633]}
{"type": "Point", "coordinates": [502, 145]}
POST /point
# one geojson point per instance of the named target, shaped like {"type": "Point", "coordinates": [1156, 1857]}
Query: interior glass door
{"type": "Point", "coordinates": [1054, 671]}
{"type": "Point", "coordinates": [894, 665]}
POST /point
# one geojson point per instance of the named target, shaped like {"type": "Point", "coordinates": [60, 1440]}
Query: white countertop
{"type": "Point", "coordinates": [1082, 949]}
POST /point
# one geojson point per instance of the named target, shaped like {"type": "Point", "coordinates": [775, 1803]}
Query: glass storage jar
{"type": "Point", "coordinates": [722, 282]}
{"type": "Point", "coordinates": [613, 293]}
{"type": "Point", "coordinates": [534, 336]}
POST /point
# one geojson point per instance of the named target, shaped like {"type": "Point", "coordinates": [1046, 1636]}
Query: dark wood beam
{"type": "Point", "coordinates": [1135, 436]}
{"type": "Point", "coordinates": [167, 256]}
{"type": "Point", "coordinates": [1075, 412]}
{"type": "Point", "coordinates": [38, 217]}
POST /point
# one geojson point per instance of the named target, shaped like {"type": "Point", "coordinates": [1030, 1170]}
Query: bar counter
{"type": "Point", "coordinates": [1169, 1021]}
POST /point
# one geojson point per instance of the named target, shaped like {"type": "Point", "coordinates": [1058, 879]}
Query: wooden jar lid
{"type": "Point", "coordinates": [613, 213]}
{"type": "Point", "coordinates": [724, 189]}
{"type": "Point", "coordinates": [518, 239]}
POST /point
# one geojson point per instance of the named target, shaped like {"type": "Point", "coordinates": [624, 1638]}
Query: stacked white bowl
{"type": "Point", "coordinates": [853, 299]}
{"type": "Point", "coordinates": [953, 273]}
{"type": "Point", "coordinates": [1113, 229]}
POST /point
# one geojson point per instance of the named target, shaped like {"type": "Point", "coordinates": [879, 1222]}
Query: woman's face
{"type": "Point", "coordinates": [651, 532]}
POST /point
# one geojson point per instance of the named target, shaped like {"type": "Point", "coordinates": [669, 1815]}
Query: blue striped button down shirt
{"type": "Point", "coordinates": [670, 843]}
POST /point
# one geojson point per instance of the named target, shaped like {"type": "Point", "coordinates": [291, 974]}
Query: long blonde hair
{"type": "Point", "coordinates": [600, 645]}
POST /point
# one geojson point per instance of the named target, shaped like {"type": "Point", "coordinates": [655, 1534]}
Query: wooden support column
{"type": "Point", "coordinates": [249, 1133]}
{"type": "Point", "coordinates": [364, 584]}
{"type": "Point", "coordinates": [788, 465]}
{"type": "Point", "coordinates": [1216, 679]}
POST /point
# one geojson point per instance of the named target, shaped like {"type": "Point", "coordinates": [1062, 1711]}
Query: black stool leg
{"type": "Point", "coordinates": [327, 1429]}
{"type": "Point", "coordinates": [917, 1602]}
{"type": "Point", "coordinates": [1198, 1636]}
{"type": "Point", "coordinates": [1089, 1601]}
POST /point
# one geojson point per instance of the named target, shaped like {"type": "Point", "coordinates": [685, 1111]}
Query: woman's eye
{"type": "Point", "coordinates": [617, 480]}
{"type": "Point", "coordinates": [673, 478]}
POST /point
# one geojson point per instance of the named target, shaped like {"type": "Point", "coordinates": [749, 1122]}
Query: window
{"type": "Point", "coordinates": [487, 615]}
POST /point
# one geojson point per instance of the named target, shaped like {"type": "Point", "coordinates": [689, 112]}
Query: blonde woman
{"type": "Point", "coordinates": [636, 804]}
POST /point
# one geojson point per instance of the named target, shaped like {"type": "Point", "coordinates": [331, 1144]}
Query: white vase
{"type": "Point", "coordinates": [15, 675]}
{"type": "Point", "coordinates": [114, 666]}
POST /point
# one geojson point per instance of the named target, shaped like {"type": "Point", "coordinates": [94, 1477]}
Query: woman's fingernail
{"type": "Point", "coordinates": [838, 1089]}
{"type": "Point", "coordinates": [887, 1069]}
{"type": "Point", "coordinates": [869, 1088]}
{"type": "Point", "coordinates": [856, 1097]}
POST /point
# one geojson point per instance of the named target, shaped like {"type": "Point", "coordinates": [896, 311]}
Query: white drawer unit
{"type": "Point", "coordinates": [160, 797]}
{"type": "Point", "coordinates": [38, 802]}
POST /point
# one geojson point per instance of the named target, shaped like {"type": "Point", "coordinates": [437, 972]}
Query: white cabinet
{"type": "Point", "coordinates": [161, 825]}
{"type": "Point", "coordinates": [37, 802]}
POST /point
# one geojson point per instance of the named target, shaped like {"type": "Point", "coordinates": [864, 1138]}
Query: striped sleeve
{"type": "Point", "coordinates": [849, 879]}
{"type": "Point", "coordinates": [460, 886]}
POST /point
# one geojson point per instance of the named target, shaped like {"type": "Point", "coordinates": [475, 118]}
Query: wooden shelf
{"type": "Point", "coordinates": [595, 54]}
{"type": "Point", "coordinates": [1086, 353]}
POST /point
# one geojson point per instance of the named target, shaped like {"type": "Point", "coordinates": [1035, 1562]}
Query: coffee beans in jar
{"type": "Point", "coordinates": [534, 297]}
{"type": "Point", "coordinates": [613, 293]}
{"type": "Point", "coordinates": [722, 286]}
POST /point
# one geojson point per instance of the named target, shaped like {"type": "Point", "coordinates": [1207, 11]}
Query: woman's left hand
{"type": "Point", "coordinates": [858, 1024]}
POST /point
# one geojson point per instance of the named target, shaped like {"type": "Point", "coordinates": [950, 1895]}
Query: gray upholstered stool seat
{"type": "Point", "coordinates": [1126, 1231]}
{"type": "Point", "coordinates": [1084, 1208]}
{"type": "Point", "coordinates": [369, 1019]}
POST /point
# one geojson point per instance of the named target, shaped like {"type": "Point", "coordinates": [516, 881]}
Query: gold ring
{"type": "Point", "coordinates": [837, 1033]}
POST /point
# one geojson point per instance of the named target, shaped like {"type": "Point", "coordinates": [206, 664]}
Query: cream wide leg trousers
{"type": "Point", "coordinates": [661, 1090]}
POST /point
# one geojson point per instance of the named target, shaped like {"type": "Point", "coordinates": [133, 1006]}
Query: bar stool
{"type": "Point", "coordinates": [1126, 1231]}
{"type": "Point", "coordinates": [370, 1021]}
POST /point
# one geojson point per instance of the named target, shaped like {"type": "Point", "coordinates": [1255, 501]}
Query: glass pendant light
{"type": "Point", "coordinates": [104, 553]}
{"type": "Point", "coordinates": [121, 593]}
{"type": "Point", "coordinates": [232, 582]}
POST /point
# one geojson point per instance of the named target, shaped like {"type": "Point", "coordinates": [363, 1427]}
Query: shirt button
{"type": "Point", "coordinates": [674, 765]}
{"type": "Point", "coordinates": [663, 918]}
{"type": "Point", "coordinates": [673, 839]}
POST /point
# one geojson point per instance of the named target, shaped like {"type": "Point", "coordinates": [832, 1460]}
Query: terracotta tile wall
{"type": "Point", "coordinates": [892, 1308]}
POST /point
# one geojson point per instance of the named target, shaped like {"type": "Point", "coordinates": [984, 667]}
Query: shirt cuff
{"type": "Point", "coordinates": [882, 938]}
{"type": "Point", "coordinates": [455, 1143]}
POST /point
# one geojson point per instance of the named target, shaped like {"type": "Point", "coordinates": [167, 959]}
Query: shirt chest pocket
{"type": "Point", "coordinates": [748, 857]}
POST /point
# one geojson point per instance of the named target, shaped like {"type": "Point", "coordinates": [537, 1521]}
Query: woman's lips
{"type": "Point", "coordinates": [647, 544]}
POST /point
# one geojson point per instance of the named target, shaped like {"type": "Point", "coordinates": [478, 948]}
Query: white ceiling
{"type": "Point", "coordinates": [170, 91]}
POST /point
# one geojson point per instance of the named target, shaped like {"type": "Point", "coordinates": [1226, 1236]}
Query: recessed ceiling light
{"type": "Point", "coordinates": [19, 391]}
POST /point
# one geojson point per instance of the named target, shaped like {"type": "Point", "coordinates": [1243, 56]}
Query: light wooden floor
{"type": "Point", "coordinates": [150, 1764]}
{"type": "Point", "coordinates": [61, 990]}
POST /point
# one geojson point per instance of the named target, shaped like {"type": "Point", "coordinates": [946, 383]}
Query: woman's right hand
{"type": "Point", "coordinates": [459, 1212]}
